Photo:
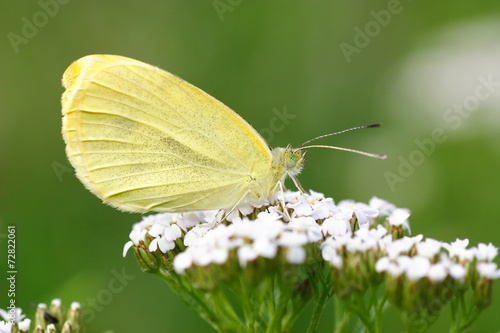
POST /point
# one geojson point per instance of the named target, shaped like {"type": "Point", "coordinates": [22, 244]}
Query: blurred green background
{"type": "Point", "coordinates": [419, 67]}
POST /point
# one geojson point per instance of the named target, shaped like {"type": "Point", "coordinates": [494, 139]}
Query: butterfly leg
{"type": "Point", "coordinates": [281, 186]}
{"type": "Point", "coordinates": [297, 183]}
{"type": "Point", "coordinates": [234, 210]}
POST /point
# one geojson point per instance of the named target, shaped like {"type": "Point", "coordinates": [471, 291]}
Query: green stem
{"type": "Point", "coordinates": [249, 312]}
{"type": "Point", "coordinates": [221, 317]}
{"type": "Point", "coordinates": [341, 317]}
{"type": "Point", "coordinates": [319, 305]}
{"type": "Point", "coordinates": [378, 313]}
{"type": "Point", "coordinates": [357, 305]}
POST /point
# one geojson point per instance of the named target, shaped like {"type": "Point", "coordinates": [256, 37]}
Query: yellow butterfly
{"type": "Point", "coordinates": [142, 139]}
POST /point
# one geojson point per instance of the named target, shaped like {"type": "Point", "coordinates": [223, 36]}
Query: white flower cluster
{"type": "Point", "coordinates": [23, 324]}
{"type": "Point", "coordinates": [363, 245]}
{"type": "Point", "coordinates": [13, 316]}
{"type": "Point", "coordinates": [312, 219]}
{"type": "Point", "coordinates": [432, 262]}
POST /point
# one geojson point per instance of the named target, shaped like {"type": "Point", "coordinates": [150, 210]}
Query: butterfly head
{"type": "Point", "coordinates": [293, 160]}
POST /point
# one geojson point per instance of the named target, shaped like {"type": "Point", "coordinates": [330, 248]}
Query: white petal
{"type": "Point", "coordinates": [296, 255]}
{"type": "Point", "coordinates": [127, 246]}
{"type": "Point", "coordinates": [172, 232]}
{"type": "Point", "coordinates": [362, 218]}
{"type": "Point", "coordinates": [265, 248]}
{"type": "Point", "coordinates": [165, 245]}
{"type": "Point", "coordinates": [457, 272]}
{"type": "Point", "coordinates": [456, 247]}
{"type": "Point", "coordinates": [24, 325]}
{"type": "Point", "coordinates": [418, 268]}
{"type": "Point", "coordinates": [428, 248]}
{"type": "Point", "coordinates": [488, 270]}
{"type": "Point", "coordinates": [330, 255]}
{"type": "Point", "coordinates": [382, 264]}
{"type": "Point", "coordinates": [486, 252]}
{"type": "Point", "coordinates": [437, 273]}
{"type": "Point", "coordinates": [246, 254]}
{"type": "Point", "coordinates": [156, 230]}
{"type": "Point", "coordinates": [182, 261]}
{"type": "Point", "coordinates": [290, 238]}
{"type": "Point", "coordinates": [399, 216]}
{"type": "Point", "coordinates": [219, 256]}
{"type": "Point", "coordinates": [137, 235]}
{"type": "Point", "coordinates": [336, 227]}
{"type": "Point", "coordinates": [153, 246]}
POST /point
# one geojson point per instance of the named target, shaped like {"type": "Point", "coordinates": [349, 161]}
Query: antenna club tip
{"type": "Point", "coordinates": [374, 125]}
{"type": "Point", "coordinates": [382, 156]}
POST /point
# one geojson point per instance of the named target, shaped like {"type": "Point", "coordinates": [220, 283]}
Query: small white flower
{"type": "Point", "coordinates": [289, 196]}
{"type": "Point", "coordinates": [399, 217]}
{"type": "Point", "coordinates": [488, 270]}
{"type": "Point", "coordinates": [437, 272]}
{"type": "Point", "coordinates": [268, 217]}
{"type": "Point", "coordinates": [456, 247]}
{"type": "Point", "coordinates": [457, 272]}
{"type": "Point", "coordinates": [24, 325]}
{"type": "Point", "coordinates": [486, 252]}
{"type": "Point", "coordinates": [189, 220]}
{"type": "Point", "coordinates": [323, 208]}
{"type": "Point", "coordinates": [417, 268]}
{"type": "Point", "coordinates": [338, 225]}
{"type": "Point", "coordinates": [162, 243]}
{"type": "Point", "coordinates": [361, 243]}
{"type": "Point", "coordinates": [5, 326]}
{"type": "Point", "coordinates": [56, 302]}
{"type": "Point", "coordinates": [364, 213]}
{"type": "Point", "coordinates": [428, 248]}
{"type": "Point", "coordinates": [384, 207]}
{"type": "Point", "coordinates": [301, 208]}
{"type": "Point", "coordinates": [390, 267]}
{"type": "Point", "coordinates": [398, 247]}
{"type": "Point", "coordinates": [316, 196]}
{"type": "Point", "coordinates": [308, 226]}
{"type": "Point", "coordinates": [291, 238]}
{"type": "Point", "coordinates": [219, 255]}
{"type": "Point", "coordinates": [243, 209]}
{"type": "Point", "coordinates": [379, 233]}
{"type": "Point", "coordinates": [296, 255]}
{"type": "Point", "coordinates": [330, 254]}
{"type": "Point", "coordinates": [165, 236]}
{"type": "Point", "coordinates": [384, 242]}
{"type": "Point", "coordinates": [197, 232]}
{"type": "Point", "coordinates": [372, 236]}
{"type": "Point", "coordinates": [246, 253]}
{"type": "Point", "coordinates": [382, 264]}
{"type": "Point", "coordinates": [16, 316]}
{"type": "Point", "coordinates": [138, 233]}
{"type": "Point", "coordinates": [265, 247]}
{"type": "Point", "coordinates": [182, 261]}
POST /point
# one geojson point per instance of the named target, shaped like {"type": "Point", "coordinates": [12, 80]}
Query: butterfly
{"type": "Point", "coordinates": [142, 139]}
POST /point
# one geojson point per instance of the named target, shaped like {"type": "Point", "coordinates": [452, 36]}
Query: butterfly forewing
{"type": "Point", "coordinates": [142, 139]}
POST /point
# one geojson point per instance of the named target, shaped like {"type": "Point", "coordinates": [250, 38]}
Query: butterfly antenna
{"type": "Point", "coordinates": [379, 156]}
{"type": "Point", "coordinates": [346, 130]}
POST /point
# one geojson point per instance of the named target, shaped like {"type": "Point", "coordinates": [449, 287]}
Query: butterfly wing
{"type": "Point", "coordinates": [142, 139]}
